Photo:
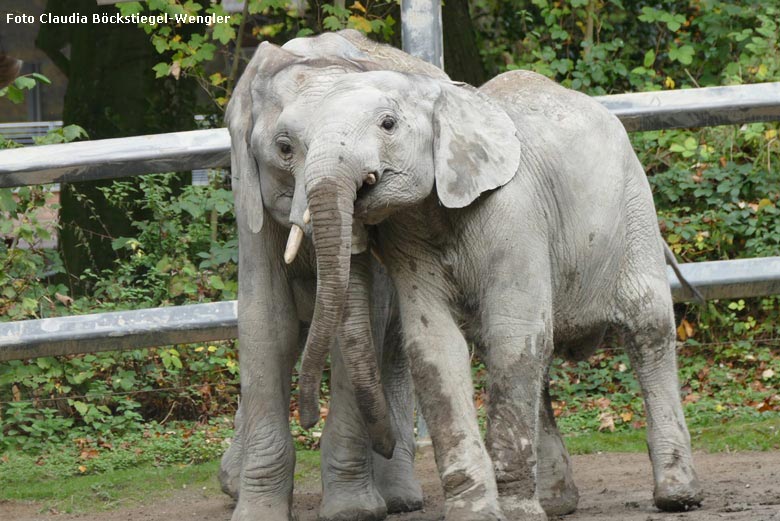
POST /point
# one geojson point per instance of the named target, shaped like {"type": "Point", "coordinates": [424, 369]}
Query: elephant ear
{"type": "Point", "coordinates": [245, 175]}
{"type": "Point", "coordinates": [475, 145]}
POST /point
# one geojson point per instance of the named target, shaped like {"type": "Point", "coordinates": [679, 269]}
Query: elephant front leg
{"type": "Point", "coordinates": [348, 490]}
{"type": "Point", "coordinates": [516, 361]}
{"type": "Point", "coordinates": [268, 332]}
{"type": "Point", "coordinates": [439, 360]}
{"type": "Point", "coordinates": [230, 465]}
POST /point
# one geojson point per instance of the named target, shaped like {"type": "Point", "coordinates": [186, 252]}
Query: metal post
{"type": "Point", "coordinates": [421, 30]}
{"type": "Point", "coordinates": [422, 36]}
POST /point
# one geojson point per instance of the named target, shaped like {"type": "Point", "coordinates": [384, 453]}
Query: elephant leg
{"type": "Point", "coordinates": [649, 333]}
{"type": "Point", "coordinates": [394, 478]}
{"type": "Point", "coordinates": [554, 480]}
{"type": "Point", "coordinates": [268, 329]}
{"type": "Point", "coordinates": [439, 360]}
{"type": "Point", "coordinates": [518, 354]}
{"type": "Point", "coordinates": [230, 465]}
{"type": "Point", "coordinates": [348, 491]}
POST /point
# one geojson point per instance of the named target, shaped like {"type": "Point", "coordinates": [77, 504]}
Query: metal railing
{"type": "Point", "coordinates": [114, 158]}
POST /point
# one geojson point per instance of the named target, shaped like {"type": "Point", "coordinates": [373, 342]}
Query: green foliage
{"type": "Point", "coordinates": [188, 53]}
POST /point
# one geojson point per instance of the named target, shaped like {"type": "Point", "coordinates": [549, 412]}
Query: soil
{"type": "Point", "coordinates": [739, 486]}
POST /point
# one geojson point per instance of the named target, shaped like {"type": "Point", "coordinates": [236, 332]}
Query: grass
{"type": "Point", "coordinates": [21, 481]}
{"type": "Point", "coordinates": [736, 435]}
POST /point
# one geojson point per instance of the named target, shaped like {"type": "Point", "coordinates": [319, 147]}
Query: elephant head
{"type": "Point", "coordinates": [278, 91]}
{"type": "Point", "coordinates": [380, 142]}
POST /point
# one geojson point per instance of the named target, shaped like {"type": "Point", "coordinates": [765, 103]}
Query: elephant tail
{"type": "Point", "coordinates": [672, 261]}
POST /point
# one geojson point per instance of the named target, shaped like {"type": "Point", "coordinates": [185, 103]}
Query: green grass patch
{"type": "Point", "coordinates": [737, 435]}
{"type": "Point", "coordinates": [114, 489]}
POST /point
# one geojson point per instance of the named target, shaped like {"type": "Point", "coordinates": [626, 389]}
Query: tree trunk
{"type": "Point", "coordinates": [111, 92]}
{"type": "Point", "coordinates": [462, 60]}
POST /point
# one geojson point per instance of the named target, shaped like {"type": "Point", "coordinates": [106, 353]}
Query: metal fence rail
{"type": "Point", "coordinates": [177, 151]}
{"type": "Point", "coordinates": [122, 330]}
{"type": "Point", "coordinates": [113, 158]}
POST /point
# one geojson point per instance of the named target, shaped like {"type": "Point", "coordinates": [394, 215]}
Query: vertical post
{"type": "Point", "coordinates": [421, 30]}
{"type": "Point", "coordinates": [422, 36]}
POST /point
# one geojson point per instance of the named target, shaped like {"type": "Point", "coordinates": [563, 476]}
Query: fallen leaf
{"type": "Point", "coordinates": [766, 375]}
{"type": "Point", "coordinates": [82, 469]}
{"type": "Point", "coordinates": [602, 403]}
{"type": "Point", "coordinates": [606, 421]}
{"type": "Point", "coordinates": [63, 299]}
{"type": "Point", "coordinates": [626, 416]}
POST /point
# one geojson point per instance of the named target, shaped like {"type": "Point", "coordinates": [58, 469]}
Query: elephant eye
{"type": "Point", "coordinates": [285, 148]}
{"type": "Point", "coordinates": [388, 123]}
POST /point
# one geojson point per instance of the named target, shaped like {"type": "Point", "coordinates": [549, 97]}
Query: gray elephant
{"type": "Point", "coordinates": [518, 217]}
{"type": "Point", "coordinates": [276, 299]}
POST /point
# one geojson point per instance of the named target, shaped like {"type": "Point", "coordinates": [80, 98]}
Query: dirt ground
{"type": "Point", "coordinates": [739, 486]}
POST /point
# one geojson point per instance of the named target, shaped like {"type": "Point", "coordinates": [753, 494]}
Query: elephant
{"type": "Point", "coordinates": [276, 300]}
{"type": "Point", "coordinates": [515, 216]}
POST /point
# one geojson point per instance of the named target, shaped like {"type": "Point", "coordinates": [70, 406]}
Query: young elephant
{"type": "Point", "coordinates": [276, 299]}
{"type": "Point", "coordinates": [567, 247]}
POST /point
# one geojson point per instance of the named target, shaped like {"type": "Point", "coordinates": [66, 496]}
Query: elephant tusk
{"type": "Point", "coordinates": [306, 216]}
{"type": "Point", "coordinates": [370, 179]}
{"type": "Point", "coordinates": [293, 243]}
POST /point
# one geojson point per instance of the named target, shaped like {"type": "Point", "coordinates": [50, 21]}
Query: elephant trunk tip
{"type": "Point", "coordinates": [383, 443]}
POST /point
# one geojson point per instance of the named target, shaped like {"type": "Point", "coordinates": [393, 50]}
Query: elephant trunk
{"type": "Point", "coordinates": [360, 360]}
{"type": "Point", "coordinates": [331, 194]}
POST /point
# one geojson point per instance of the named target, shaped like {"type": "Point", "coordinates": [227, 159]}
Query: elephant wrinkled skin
{"type": "Point", "coordinates": [276, 300]}
{"type": "Point", "coordinates": [516, 216]}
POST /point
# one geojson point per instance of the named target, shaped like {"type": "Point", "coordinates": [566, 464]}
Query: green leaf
{"type": "Point", "coordinates": [14, 94]}
{"type": "Point", "coordinates": [24, 82]}
{"type": "Point", "coordinates": [649, 58]}
{"type": "Point", "coordinates": [41, 78]}
{"type": "Point", "coordinates": [224, 33]}
{"type": "Point", "coordinates": [81, 407]}
{"type": "Point", "coordinates": [216, 282]}
{"type": "Point", "coordinates": [7, 201]}
{"type": "Point", "coordinates": [162, 70]}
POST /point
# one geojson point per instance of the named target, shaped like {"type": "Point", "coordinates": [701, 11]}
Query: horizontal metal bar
{"type": "Point", "coordinates": [179, 151]}
{"type": "Point", "coordinates": [739, 278]}
{"type": "Point", "coordinates": [119, 330]}
{"type": "Point", "coordinates": [688, 108]}
{"type": "Point", "coordinates": [124, 330]}
{"type": "Point", "coordinates": [112, 158]}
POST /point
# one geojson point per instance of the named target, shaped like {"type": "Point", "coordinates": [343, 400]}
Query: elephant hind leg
{"type": "Point", "coordinates": [554, 481]}
{"type": "Point", "coordinates": [394, 477]}
{"type": "Point", "coordinates": [647, 324]}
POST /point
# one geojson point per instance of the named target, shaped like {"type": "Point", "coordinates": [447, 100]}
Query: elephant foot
{"type": "Point", "coordinates": [480, 510]}
{"type": "Point", "coordinates": [400, 490]}
{"type": "Point", "coordinates": [404, 501]}
{"type": "Point", "coordinates": [230, 472]}
{"type": "Point", "coordinates": [676, 493]}
{"type": "Point", "coordinates": [352, 506]}
{"type": "Point", "coordinates": [557, 492]}
{"type": "Point", "coordinates": [519, 508]}
{"type": "Point", "coordinates": [559, 502]}
{"type": "Point", "coordinates": [250, 511]}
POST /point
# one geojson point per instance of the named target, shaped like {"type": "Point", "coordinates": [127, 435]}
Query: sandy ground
{"type": "Point", "coordinates": [739, 486]}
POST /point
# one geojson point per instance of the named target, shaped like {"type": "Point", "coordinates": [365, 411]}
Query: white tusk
{"type": "Point", "coordinates": [293, 243]}
{"type": "Point", "coordinates": [370, 179]}
{"type": "Point", "coordinates": [306, 216]}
